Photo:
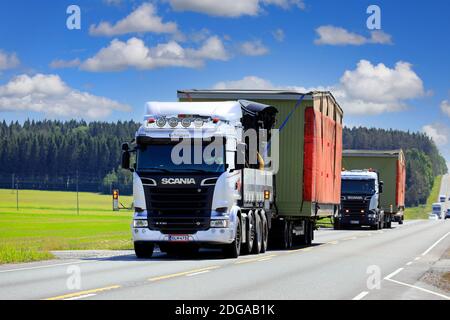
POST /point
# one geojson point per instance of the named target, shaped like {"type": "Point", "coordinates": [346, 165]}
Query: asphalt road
{"type": "Point", "coordinates": [338, 266]}
{"type": "Point", "coordinates": [344, 264]}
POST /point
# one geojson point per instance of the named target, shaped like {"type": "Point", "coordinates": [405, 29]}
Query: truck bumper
{"type": "Point", "coordinates": [362, 220]}
{"type": "Point", "coordinates": [211, 236]}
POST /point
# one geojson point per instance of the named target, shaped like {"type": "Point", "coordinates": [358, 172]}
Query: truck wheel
{"type": "Point", "coordinates": [144, 250]}
{"type": "Point", "coordinates": [400, 221]}
{"type": "Point", "coordinates": [265, 233]}
{"type": "Point", "coordinates": [286, 237]}
{"type": "Point", "coordinates": [336, 225]}
{"type": "Point", "coordinates": [247, 248]}
{"type": "Point", "coordinates": [233, 249]}
{"type": "Point", "coordinates": [310, 233]}
{"type": "Point", "coordinates": [257, 244]}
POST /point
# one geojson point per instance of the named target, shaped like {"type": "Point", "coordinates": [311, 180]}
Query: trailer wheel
{"type": "Point", "coordinates": [286, 237]}
{"type": "Point", "coordinates": [144, 250]}
{"type": "Point", "coordinates": [247, 248]}
{"type": "Point", "coordinates": [265, 233]}
{"type": "Point", "coordinates": [233, 249]}
{"type": "Point", "coordinates": [257, 244]}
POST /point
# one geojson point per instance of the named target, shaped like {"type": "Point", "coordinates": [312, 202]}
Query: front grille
{"type": "Point", "coordinates": [179, 210]}
{"type": "Point", "coordinates": [355, 206]}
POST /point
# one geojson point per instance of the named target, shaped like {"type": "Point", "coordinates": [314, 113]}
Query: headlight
{"type": "Point", "coordinates": [140, 223]}
{"type": "Point", "coordinates": [220, 223]}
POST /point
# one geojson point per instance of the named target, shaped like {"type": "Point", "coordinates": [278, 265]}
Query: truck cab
{"type": "Point", "coordinates": [438, 209]}
{"type": "Point", "coordinates": [360, 200]}
{"type": "Point", "coordinates": [194, 182]}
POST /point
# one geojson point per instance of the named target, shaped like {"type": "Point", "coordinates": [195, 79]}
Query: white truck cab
{"type": "Point", "coordinates": [192, 178]}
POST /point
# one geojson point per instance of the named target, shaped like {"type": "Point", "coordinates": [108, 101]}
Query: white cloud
{"type": "Point", "coordinates": [439, 132]}
{"type": "Point", "coordinates": [50, 95]}
{"type": "Point", "coordinates": [331, 35]}
{"type": "Point", "coordinates": [278, 35]}
{"type": "Point", "coordinates": [143, 19]}
{"type": "Point", "coordinates": [61, 64]}
{"type": "Point", "coordinates": [376, 89]}
{"type": "Point", "coordinates": [231, 8]}
{"type": "Point", "coordinates": [445, 107]}
{"type": "Point", "coordinates": [249, 82]}
{"type": "Point", "coordinates": [369, 89]}
{"type": "Point", "coordinates": [135, 54]}
{"type": "Point", "coordinates": [8, 60]}
{"type": "Point", "coordinates": [253, 48]}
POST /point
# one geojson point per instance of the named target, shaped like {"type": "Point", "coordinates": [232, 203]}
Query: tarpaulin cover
{"type": "Point", "coordinates": [401, 183]}
{"type": "Point", "coordinates": [322, 158]}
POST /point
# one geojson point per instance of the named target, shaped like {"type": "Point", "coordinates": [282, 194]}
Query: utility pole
{"type": "Point", "coordinates": [17, 194]}
{"type": "Point", "coordinates": [13, 186]}
{"type": "Point", "coordinates": [78, 198]}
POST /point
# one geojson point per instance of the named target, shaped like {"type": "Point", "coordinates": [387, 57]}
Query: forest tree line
{"type": "Point", "coordinates": [56, 155]}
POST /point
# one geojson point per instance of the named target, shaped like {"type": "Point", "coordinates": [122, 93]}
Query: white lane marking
{"type": "Point", "coordinates": [393, 274]}
{"type": "Point", "coordinates": [417, 258]}
{"type": "Point", "coordinates": [196, 273]}
{"type": "Point", "coordinates": [409, 263]}
{"type": "Point", "coordinates": [81, 297]}
{"type": "Point", "coordinates": [419, 288]}
{"type": "Point", "coordinates": [44, 267]}
{"type": "Point", "coordinates": [435, 244]}
{"type": "Point", "coordinates": [361, 295]}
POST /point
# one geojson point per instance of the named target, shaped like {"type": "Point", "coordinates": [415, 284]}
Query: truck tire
{"type": "Point", "coordinates": [233, 249]}
{"type": "Point", "coordinates": [265, 228]}
{"type": "Point", "coordinates": [257, 244]}
{"type": "Point", "coordinates": [400, 221]}
{"type": "Point", "coordinates": [247, 248]}
{"type": "Point", "coordinates": [144, 250]}
{"type": "Point", "coordinates": [286, 236]}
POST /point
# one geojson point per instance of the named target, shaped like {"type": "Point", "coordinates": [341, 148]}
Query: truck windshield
{"type": "Point", "coordinates": [358, 186]}
{"type": "Point", "coordinates": [163, 157]}
{"type": "Point", "coordinates": [437, 208]}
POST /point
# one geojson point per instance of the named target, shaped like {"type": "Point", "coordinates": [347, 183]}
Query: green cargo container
{"type": "Point", "coordinates": [291, 105]}
{"type": "Point", "coordinates": [391, 168]}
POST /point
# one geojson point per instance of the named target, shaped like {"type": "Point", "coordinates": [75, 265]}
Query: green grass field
{"type": "Point", "coordinates": [422, 211]}
{"type": "Point", "coordinates": [49, 221]}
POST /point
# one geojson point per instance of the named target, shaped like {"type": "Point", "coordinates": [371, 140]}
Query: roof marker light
{"type": "Point", "coordinates": [173, 122]}
{"type": "Point", "coordinates": [161, 122]}
{"type": "Point", "coordinates": [186, 122]}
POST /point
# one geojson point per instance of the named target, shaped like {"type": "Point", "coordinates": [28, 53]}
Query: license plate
{"type": "Point", "coordinates": [354, 222]}
{"type": "Point", "coordinates": [179, 238]}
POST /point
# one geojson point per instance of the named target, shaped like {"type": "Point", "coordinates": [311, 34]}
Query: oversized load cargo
{"type": "Point", "coordinates": [308, 182]}
{"type": "Point", "coordinates": [391, 166]}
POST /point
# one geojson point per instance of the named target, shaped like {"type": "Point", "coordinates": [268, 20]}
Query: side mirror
{"type": "Point", "coordinates": [239, 160]}
{"type": "Point", "coordinates": [126, 160]}
{"type": "Point", "coordinates": [380, 187]}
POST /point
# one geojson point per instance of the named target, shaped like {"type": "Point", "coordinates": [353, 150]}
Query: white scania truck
{"type": "Point", "coordinates": [189, 190]}
{"type": "Point", "coordinates": [206, 174]}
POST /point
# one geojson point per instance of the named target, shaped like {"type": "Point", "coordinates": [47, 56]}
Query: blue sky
{"type": "Point", "coordinates": [399, 79]}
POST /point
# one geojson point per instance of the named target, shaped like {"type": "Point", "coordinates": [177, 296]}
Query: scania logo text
{"type": "Point", "coordinates": [178, 181]}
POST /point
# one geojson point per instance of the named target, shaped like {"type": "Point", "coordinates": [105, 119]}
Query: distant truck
{"type": "Point", "coordinates": [391, 169]}
{"type": "Point", "coordinates": [442, 198]}
{"type": "Point", "coordinates": [360, 200]}
{"type": "Point", "coordinates": [438, 210]}
{"type": "Point", "coordinates": [236, 206]}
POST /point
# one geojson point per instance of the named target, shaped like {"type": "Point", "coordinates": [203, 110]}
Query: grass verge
{"type": "Point", "coordinates": [49, 221]}
{"type": "Point", "coordinates": [422, 211]}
